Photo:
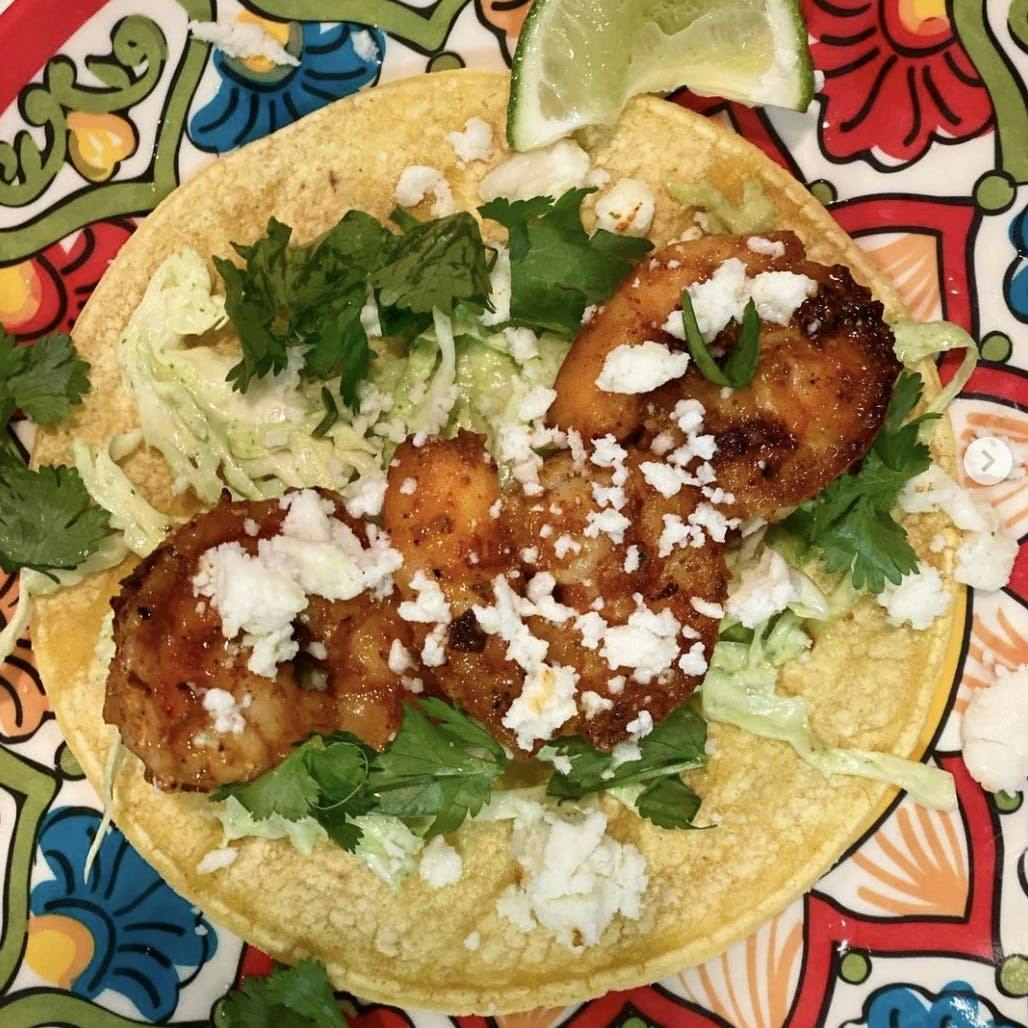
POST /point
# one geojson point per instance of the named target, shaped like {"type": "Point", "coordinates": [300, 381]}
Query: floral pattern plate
{"type": "Point", "coordinates": [917, 142]}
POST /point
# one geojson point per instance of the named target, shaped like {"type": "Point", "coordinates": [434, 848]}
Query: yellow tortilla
{"type": "Point", "coordinates": [782, 824]}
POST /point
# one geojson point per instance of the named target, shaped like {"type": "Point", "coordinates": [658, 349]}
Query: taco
{"type": "Point", "coordinates": [486, 889]}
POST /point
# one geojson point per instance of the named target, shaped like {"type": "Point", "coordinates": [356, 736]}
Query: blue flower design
{"type": "Point", "coordinates": [250, 103]}
{"type": "Point", "coordinates": [1015, 283]}
{"type": "Point", "coordinates": [141, 931]}
{"type": "Point", "coordinates": [908, 1006]}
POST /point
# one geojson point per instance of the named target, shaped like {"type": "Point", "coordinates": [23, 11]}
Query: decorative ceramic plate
{"type": "Point", "coordinates": [918, 144]}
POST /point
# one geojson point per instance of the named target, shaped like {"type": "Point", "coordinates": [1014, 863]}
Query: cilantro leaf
{"type": "Point", "coordinates": [675, 745]}
{"type": "Point", "coordinates": [557, 268]}
{"type": "Point", "coordinates": [289, 789]}
{"type": "Point", "coordinates": [47, 521]}
{"type": "Point", "coordinates": [741, 364]}
{"type": "Point", "coordinates": [290, 997]}
{"type": "Point", "coordinates": [45, 379]}
{"type": "Point", "coordinates": [668, 803]}
{"type": "Point", "coordinates": [441, 765]}
{"type": "Point", "coordinates": [434, 265]}
{"type": "Point", "coordinates": [850, 523]}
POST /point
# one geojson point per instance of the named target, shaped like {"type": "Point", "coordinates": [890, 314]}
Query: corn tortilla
{"type": "Point", "coordinates": [782, 824]}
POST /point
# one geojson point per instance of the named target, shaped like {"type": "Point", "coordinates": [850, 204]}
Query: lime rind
{"type": "Point", "coordinates": [751, 51]}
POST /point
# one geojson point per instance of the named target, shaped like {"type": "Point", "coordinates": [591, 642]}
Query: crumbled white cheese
{"type": "Point", "coordinates": [693, 662]}
{"type": "Point", "coordinates": [593, 703]}
{"type": "Point", "coordinates": [706, 607]}
{"type": "Point", "coordinates": [767, 247]}
{"type": "Point", "coordinates": [592, 627]}
{"type": "Point", "coordinates": [918, 600]}
{"type": "Point", "coordinates": [985, 560]}
{"type": "Point", "coordinates": [251, 528]}
{"type": "Point", "coordinates": [440, 864]}
{"type": "Point", "coordinates": [217, 860]}
{"type": "Point", "coordinates": [539, 591]}
{"type": "Point", "coordinates": [723, 297]}
{"type": "Point", "coordinates": [641, 368]}
{"type": "Point", "coordinates": [548, 171]}
{"type": "Point", "coordinates": [225, 711]}
{"type": "Point", "coordinates": [627, 208]}
{"type": "Point", "coordinates": [647, 644]}
{"type": "Point", "coordinates": [641, 725]}
{"type": "Point", "coordinates": [400, 658]}
{"type": "Point", "coordinates": [536, 402]}
{"type": "Point", "coordinates": [933, 489]}
{"type": "Point", "coordinates": [575, 878]}
{"type": "Point", "coordinates": [472, 941]}
{"type": "Point", "coordinates": [609, 521]}
{"type": "Point", "coordinates": [995, 733]}
{"type": "Point", "coordinates": [503, 618]}
{"type": "Point", "coordinates": [433, 651]}
{"type": "Point", "coordinates": [364, 45]}
{"type": "Point", "coordinates": [762, 590]}
{"type": "Point", "coordinates": [522, 343]}
{"type": "Point", "coordinates": [495, 508]}
{"type": "Point", "coordinates": [475, 143]}
{"type": "Point", "coordinates": [364, 497]}
{"type": "Point", "coordinates": [241, 40]}
{"type": "Point", "coordinates": [499, 288]}
{"type": "Point", "coordinates": [530, 554]}
{"type": "Point", "coordinates": [430, 604]}
{"type": "Point", "coordinates": [318, 650]}
{"type": "Point", "coordinates": [633, 559]}
{"type": "Point", "coordinates": [408, 486]}
{"type": "Point", "coordinates": [564, 544]}
{"type": "Point", "coordinates": [562, 764]}
{"type": "Point", "coordinates": [547, 700]}
{"type": "Point", "coordinates": [418, 181]}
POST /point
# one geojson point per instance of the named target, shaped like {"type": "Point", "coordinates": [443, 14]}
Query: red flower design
{"type": "Point", "coordinates": [896, 80]}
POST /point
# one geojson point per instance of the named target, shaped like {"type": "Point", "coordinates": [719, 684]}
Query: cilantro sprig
{"type": "Point", "coordinates": [850, 524]}
{"type": "Point", "coordinates": [310, 296]}
{"type": "Point", "coordinates": [557, 268]}
{"type": "Point", "coordinates": [675, 745]}
{"type": "Point", "coordinates": [739, 367]}
{"type": "Point", "coordinates": [290, 997]}
{"type": "Point", "coordinates": [47, 521]}
{"type": "Point", "coordinates": [440, 766]}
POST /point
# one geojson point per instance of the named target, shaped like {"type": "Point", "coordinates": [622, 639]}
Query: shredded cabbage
{"type": "Point", "coordinates": [238, 823]}
{"type": "Point", "coordinates": [31, 584]}
{"type": "Point", "coordinates": [739, 689]}
{"type": "Point", "coordinates": [144, 527]}
{"type": "Point", "coordinates": [257, 443]}
{"type": "Point", "coordinates": [916, 342]}
{"type": "Point", "coordinates": [388, 847]}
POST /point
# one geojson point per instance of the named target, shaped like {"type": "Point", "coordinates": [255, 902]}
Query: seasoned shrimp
{"type": "Point", "coordinates": [815, 403]}
{"type": "Point", "coordinates": [170, 653]}
{"type": "Point", "coordinates": [460, 530]}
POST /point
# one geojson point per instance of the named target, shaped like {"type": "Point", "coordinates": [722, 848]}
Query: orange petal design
{"type": "Point", "coordinates": [1009, 497]}
{"type": "Point", "coordinates": [98, 143]}
{"type": "Point", "coordinates": [996, 643]}
{"type": "Point", "coordinates": [915, 864]}
{"type": "Point", "coordinates": [58, 949]}
{"type": "Point", "coordinates": [753, 983]}
{"type": "Point", "coordinates": [23, 704]}
{"type": "Point", "coordinates": [911, 261]}
{"type": "Point", "coordinates": [506, 15]}
{"type": "Point", "coordinates": [20, 294]}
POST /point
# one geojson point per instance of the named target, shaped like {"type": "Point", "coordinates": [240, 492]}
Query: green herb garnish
{"type": "Point", "coordinates": [47, 521]}
{"type": "Point", "coordinates": [290, 997]}
{"type": "Point", "coordinates": [850, 524]}
{"type": "Point", "coordinates": [675, 745]}
{"type": "Point", "coordinates": [557, 268]}
{"type": "Point", "coordinates": [441, 765]}
{"type": "Point", "coordinates": [738, 369]}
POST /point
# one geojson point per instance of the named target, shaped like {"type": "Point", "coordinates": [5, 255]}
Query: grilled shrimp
{"type": "Point", "coordinates": [171, 654]}
{"type": "Point", "coordinates": [462, 532]}
{"type": "Point", "coordinates": [817, 399]}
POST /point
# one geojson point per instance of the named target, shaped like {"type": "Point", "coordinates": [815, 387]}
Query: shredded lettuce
{"type": "Point", "coordinates": [753, 213]}
{"type": "Point", "coordinates": [144, 527]}
{"type": "Point", "coordinates": [238, 823]}
{"type": "Point", "coordinates": [739, 689]}
{"type": "Point", "coordinates": [388, 847]}
{"type": "Point", "coordinates": [917, 341]}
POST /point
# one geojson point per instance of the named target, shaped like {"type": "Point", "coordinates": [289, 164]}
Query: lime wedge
{"type": "Point", "coordinates": [578, 62]}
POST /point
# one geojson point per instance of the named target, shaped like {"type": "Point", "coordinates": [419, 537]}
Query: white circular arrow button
{"type": "Point", "coordinates": [988, 460]}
